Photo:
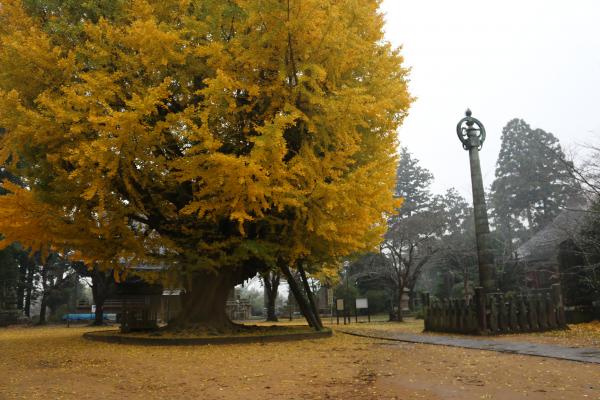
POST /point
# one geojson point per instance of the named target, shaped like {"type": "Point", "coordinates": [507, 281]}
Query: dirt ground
{"type": "Point", "coordinates": [56, 363]}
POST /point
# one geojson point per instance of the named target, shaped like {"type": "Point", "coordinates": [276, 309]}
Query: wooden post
{"type": "Point", "coordinates": [533, 318]}
{"type": "Point", "coordinates": [493, 314]}
{"type": "Point", "coordinates": [445, 322]}
{"type": "Point", "coordinates": [463, 322]}
{"type": "Point", "coordinates": [450, 310]}
{"type": "Point", "coordinates": [471, 318]}
{"type": "Point", "coordinates": [524, 325]}
{"type": "Point", "coordinates": [502, 314]}
{"type": "Point", "coordinates": [512, 310]}
{"type": "Point", "coordinates": [550, 311]}
{"type": "Point", "coordinates": [557, 299]}
{"type": "Point", "coordinates": [425, 309]}
{"type": "Point", "coordinates": [542, 317]}
{"type": "Point", "coordinates": [480, 308]}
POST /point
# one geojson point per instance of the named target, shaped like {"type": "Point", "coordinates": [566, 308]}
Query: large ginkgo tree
{"type": "Point", "coordinates": [215, 138]}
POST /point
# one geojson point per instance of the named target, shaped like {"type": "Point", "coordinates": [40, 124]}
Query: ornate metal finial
{"type": "Point", "coordinates": [470, 131]}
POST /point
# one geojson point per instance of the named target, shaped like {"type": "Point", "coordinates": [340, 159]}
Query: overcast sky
{"type": "Point", "coordinates": [538, 60]}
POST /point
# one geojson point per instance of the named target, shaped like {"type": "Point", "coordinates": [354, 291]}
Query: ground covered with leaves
{"type": "Point", "coordinates": [56, 362]}
{"type": "Point", "coordinates": [580, 335]}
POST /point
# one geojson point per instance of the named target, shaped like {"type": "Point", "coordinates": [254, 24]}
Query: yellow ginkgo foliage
{"type": "Point", "coordinates": [218, 138]}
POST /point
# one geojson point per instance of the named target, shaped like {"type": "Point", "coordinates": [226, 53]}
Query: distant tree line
{"type": "Point", "coordinates": [430, 243]}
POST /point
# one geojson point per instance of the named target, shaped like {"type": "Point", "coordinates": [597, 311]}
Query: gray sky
{"type": "Point", "coordinates": [533, 59]}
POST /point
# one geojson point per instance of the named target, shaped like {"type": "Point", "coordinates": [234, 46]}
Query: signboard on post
{"type": "Point", "coordinates": [340, 305]}
{"type": "Point", "coordinates": [330, 297]}
{"type": "Point", "coordinates": [362, 303]}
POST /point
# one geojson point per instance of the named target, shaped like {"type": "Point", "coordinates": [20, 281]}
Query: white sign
{"type": "Point", "coordinates": [340, 304]}
{"type": "Point", "coordinates": [362, 303]}
{"type": "Point", "coordinates": [93, 308]}
{"type": "Point", "coordinates": [329, 297]}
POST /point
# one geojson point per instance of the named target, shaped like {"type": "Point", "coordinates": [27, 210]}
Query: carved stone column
{"type": "Point", "coordinates": [471, 133]}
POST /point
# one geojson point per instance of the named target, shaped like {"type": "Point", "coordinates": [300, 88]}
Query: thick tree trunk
{"type": "Point", "coordinates": [411, 300]}
{"type": "Point", "coordinates": [203, 304]}
{"type": "Point", "coordinates": [397, 316]}
{"type": "Point", "coordinates": [100, 283]}
{"type": "Point", "coordinates": [99, 314]}
{"type": "Point", "coordinates": [271, 280]}
{"type": "Point", "coordinates": [99, 295]}
{"type": "Point", "coordinates": [43, 307]}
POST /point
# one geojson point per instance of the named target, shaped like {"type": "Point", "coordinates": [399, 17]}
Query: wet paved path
{"type": "Point", "coordinates": [581, 354]}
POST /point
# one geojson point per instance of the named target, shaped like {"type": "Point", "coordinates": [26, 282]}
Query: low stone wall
{"type": "Point", "coordinates": [496, 313]}
{"type": "Point", "coordinates": [118, 337]}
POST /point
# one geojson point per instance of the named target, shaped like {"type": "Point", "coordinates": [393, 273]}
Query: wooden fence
{"type": "Point", "coordinates": [495, 313]}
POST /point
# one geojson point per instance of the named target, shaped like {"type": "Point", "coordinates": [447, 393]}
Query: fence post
{"type": "Point", "coordinates": [533, 318]}
{"type": "Point", "coordinates": [445, 319]}
{"type": "Point", "coordinates": [502, 314]}
{"type": "Point", "coordinates": [557, 299]}
{"type": "Point", "coordinates": [451, 315]}
{"type": "Point", "coordinates": [462, 322]}
{"type": "Point", "coordinates": [457, 315]}
{"type": "Point", "coordinates": [480, 309]}
{"type": "Point", "coordinates": [550, 310]}
{"type": "Point", "coordinates": [524, 325]}
{"type": "Point", "coordinates": [493, 326]}
{"type": "Point", "coordinates": [542, 316]}
{"type": "Point", "coordinates": [425, 308]}
{"type": "Point", "coordinates": [472, 321]}
{"type": "Point", "coordinates": [512, 310]}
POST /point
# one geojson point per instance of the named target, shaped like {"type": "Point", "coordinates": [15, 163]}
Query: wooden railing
{"type": "Point", "coordinates": [495, 313]}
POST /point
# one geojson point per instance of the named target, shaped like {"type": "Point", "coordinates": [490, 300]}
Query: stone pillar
{"type": "Point", "coordinates": [472, 135]}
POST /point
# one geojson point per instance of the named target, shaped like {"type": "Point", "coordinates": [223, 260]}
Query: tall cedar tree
{"type": "Point", "coordinates": [219, 138]}
{"type": "Point", "coordinates": [410, 240]}
{"type": "Point", "coordinates": [532, 183]}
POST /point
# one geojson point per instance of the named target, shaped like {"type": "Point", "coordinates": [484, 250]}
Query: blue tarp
{"type": "Point", "coordinates": [87, 317]}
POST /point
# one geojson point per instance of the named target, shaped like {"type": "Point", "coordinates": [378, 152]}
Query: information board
{"type": "Point", "coordinates": [362, 303]}
{"type": "Point", "coordinates": [329, 297]}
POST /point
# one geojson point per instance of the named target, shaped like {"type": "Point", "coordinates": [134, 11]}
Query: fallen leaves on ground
{"type": "Point", "coordinates": [57, 363]}
{"type": "Point", "coordinates": [577, 335]}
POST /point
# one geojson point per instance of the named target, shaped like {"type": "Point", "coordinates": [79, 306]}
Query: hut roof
{"type": "Point", "coordinates": [544, 244]}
